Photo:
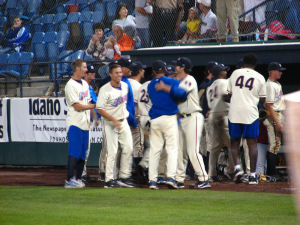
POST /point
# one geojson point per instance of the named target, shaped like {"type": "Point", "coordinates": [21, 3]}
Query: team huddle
{"type": "Point", "coordinates": [156, 128]}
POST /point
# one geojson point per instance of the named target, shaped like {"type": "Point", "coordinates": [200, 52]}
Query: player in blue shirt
{"type": "Point", "coordinates": [164, 127]}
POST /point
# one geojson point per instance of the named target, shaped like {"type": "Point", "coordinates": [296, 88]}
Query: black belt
{"type": "Point", "coordinates": [121, 120]}
{"type": "Point", "coordinates": [165, 11]}
{"type": "Point", "coordinates": [186, 115]}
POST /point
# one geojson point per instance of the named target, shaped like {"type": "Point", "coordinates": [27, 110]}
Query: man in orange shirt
{"type": "Point", "coordinates": [121, 39]}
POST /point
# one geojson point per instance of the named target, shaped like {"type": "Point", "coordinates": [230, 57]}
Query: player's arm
{"type": "Point", "coordinates": [80, 107]}
{"type": "Point", "coordinates": [174, 90]}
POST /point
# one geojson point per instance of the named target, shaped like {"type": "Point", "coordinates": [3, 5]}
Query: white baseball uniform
{"type": "Point", "coordinates": [77, 93]}
{"type": "Point", "coordinates": [218, 124]}
{"type": "Point", "coordinates": [246, 86]}
{"type": "Point", "coordinates": [144, 105]}
{"type": "Point", "coordinates": [190, 130]}
{"type": "Point", "coordinates": [113, 100]}
{"type": "Point", "coordinates": [137, 133]}
{"type": "Point", "coordinates": [274, 96]}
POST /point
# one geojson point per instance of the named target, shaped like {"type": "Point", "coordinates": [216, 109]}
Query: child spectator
{"type": "Point", "coordinates": [16, 37]}
{"type": "Point", "coordinates": [193, 25]}
{"type": "Point", "coordinates": [122, 18]}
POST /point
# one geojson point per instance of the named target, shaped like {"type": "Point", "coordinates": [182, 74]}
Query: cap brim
{"type": "Point", "coordinates": [282, 69]}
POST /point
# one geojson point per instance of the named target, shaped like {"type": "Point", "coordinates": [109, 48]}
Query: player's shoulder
{"type": "Point", "coordinates": [169, 80]}
{"type": "Point", "coordinates": [145, 84]}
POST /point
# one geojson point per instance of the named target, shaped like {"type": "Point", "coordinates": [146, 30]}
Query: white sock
{"type": "Point", "coordinates": [253, 174]}
{"type": "Point", "coordinates": [237, 167]}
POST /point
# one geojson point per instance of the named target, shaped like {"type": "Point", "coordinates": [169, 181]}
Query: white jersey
{"type": "Point", "coordinates": [215, 94]}
{"type": "Point", "coordinates": [114, 100]}
{"type": "Point", "coordinates": [144, 101]}
{"type": "Point", "coordinates": [246, 86]}
{"type": "Point", "coordinates": [135, 85]}
{"type": "Point", "coordinates": [275, 95]}
{"type": "Point", "coordinates": [191, 104]}
{"type": "Point", "coordinates": [77, 93]}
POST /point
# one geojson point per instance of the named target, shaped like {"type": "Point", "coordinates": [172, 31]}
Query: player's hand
{"type": "Point", "coordinates": [95, 38]}
{"type": "Point", "coordinates": [96, 122]}
{"type": "Point", "coordinates": [92, 106]}
{"type": "Point", "coordinates": [161, 86]}
{"type": "Point", "coordinates": [117, 124]}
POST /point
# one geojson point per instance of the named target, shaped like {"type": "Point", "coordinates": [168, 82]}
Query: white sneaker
{"type": "Point", "coordinates": [72, 183]}
{"type": "Point", "coordinates": [81, 184]}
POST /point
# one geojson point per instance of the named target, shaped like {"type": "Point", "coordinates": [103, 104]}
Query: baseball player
{"type": "Point", "coordinates": [191, 125]}
{"type": "Point", "coordinates": [275, 106]}
{"type": "Point", "coordinates": [137, 73]}
{"type": "Point", "coordinates": [89, 77]}
{"type": "Point", "coordinates": [112, 105]}
{"type": "Point", "coordinates": [246, 87]}
{"type": "Point", "coordinates": [218, 119]}
{"type": "Point", "coordinates": [78, 122]}
{"type": "Point", "coordinates": [164, 128]}
{"type": "Point", "coordinates": [125, 67]}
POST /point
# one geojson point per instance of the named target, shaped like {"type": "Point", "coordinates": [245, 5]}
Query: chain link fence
{"type": "Point", "coordinates": [59, 31]}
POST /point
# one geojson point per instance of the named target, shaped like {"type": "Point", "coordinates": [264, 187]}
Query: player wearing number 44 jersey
{"type": "Point", "coordinates": [246, 87]}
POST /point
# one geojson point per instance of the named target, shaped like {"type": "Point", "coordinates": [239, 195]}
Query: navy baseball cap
{"type": "Point", "coordinates": [135, 67]}
{"type": "Point", "coordinates": [184, 62]}
{"type": "Point", "coordinates": [240, 64]}
{"type": "Point", "coordinates": [159, 66]}
{"type": "Point", "coordinates": [210, 65]}
{"type": "Point", "coordinates": [217, 69]}
{"type": "Point", "coordinates": [91, 68]}
{"type": "Point", "coordinates": [170, 70]}
{"type": "Point", "coordinates": [276, 66]}
{"type": "Point", "coordinates": [123, 62]}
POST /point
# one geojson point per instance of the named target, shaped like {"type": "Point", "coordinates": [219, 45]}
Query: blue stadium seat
{"type": "Point", "coordinates": [62, 38]}
{"type": "Point", "coordinates": [37, 25]}
{"type": "Point", "coordinates": [98, 6]}
{"type": "Point", "coordinates": [78, 55]}
{"type": "Point", "coordinates": [33, 7]}
{"type": "Point", "coordinates": [48, 22]}
{"type": "Point", "coordinates": [3, 21]}
{"type": "Point", "coordinates": [74, 17]}
{"type": "Point", "coordinates": [60, 9]}
{"type": "Point", "coordinates": [13, 59]}
{"type": "Point", "coordinates": [62, 68]}
{"type": "Point", "coordinates": [60, 23]}
{"type": "Point", "coordinates": [3, 61]}
{"type": "Point", "coordinates": [51, 45]}
{"type": "Point", "coordinates": [87, 30]}
{"type": "Point", "coordinates": [38, 47]}
{"type": "Point", "coordinates": [86, 16]}
{"type": "Point", "coordinates": [98, 16]}
{"type": "Point", "coordinates": [26, 57]}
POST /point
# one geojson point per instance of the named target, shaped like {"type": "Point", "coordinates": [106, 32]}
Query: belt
{"type": "Point", "coordinates": [164, 11]}
{"type": "Point", "coordinates": [185, 115]}
{"type": "Point", "coordinates": [121, 120]}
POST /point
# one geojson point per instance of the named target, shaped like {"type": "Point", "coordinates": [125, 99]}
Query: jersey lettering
{"type": "Point", "coordinates": [213, 93]}
{"type": "Point", "coordinates": [144, 97]}
{"type": "Point", "coordinates": [240, 82]}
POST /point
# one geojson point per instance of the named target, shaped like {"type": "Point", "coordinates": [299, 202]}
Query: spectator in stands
{"type": "Point", "coordinates": [110, 47]}
{"type": "Point", "coordinates": [130, 5]}
{"type": "Point", "coordinates": [122, 18]}
{"type": "Point", "coordinates": [208, 20]}
{"type": "Point", "coordinates": [166, 21]}
{"type": "Point", "coordinates": [16, 37]}
{"type": "Point", "coordinates": [120, 38]}
{"type": "Point", "coordinates": [96, 45]}
{"type": "Point", "coordinates": [228, 8]}
{"type": "Point", "coordinates": [144, 12]}
{"type": "Point", "coordinates": [193, 25]}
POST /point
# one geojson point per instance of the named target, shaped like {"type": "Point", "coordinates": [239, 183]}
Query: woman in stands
{"type": "Point", "coordinates": [122, 18]}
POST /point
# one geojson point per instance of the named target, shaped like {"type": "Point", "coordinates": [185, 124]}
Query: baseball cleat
{"type": "Point", "coordinates": [237, 175]}
{"type": "Point", "coordinates": [172, 184]}
{"type": "Point", "coordinates": [161, 180]}
{"type": "Point", "coordinates": [101, 177]}
{"type": "Point", "coordinates": [128, 183]}
{"type": "Point", "coordinates": [201, 185]}
{"type": "Point", "coordinates": [72, 183]}
{"type": "Point", "coordinates": [82, 185]}
{"type": "Point", "coordinates": [245, 178]}
{"type": "Point", "coordinates": [253, 179]}
{"type": "Point", "coordinates": [153, 185]}
{"type": "Point", "coordinates": [86, 178]}
{"type": "Point", "coordinates": [111, 184]}
{"type": "Point", "coordinates": [180, 185]}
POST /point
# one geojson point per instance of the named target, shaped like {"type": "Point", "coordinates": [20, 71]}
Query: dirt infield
{"type": "Point", "coordinates": [56, 176]}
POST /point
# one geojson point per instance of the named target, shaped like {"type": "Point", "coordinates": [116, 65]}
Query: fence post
{"type": "Point", "coordinates": [56, 85]}
{"type": "Point", "coordinates": [21, 82]}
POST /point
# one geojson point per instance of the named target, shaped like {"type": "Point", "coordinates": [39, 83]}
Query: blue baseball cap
{"type": "Point", "coordinates": [135, 67]}
{"type": "Point", "coordinates": [184, 62]}
{"type": "Point", "coordinates": [91, 68]}
{"type": "Point", "coordinates": [159, 66]}
{"type": "Point", "coordinates": [217, 69]}
{"type": "Point", "coordinates": [170, 70]}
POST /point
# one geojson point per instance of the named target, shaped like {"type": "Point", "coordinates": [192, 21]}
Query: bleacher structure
{"type": "Point", "coordinates": [48, 51]}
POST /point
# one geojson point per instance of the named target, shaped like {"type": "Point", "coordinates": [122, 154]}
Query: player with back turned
{"type": "Point", "coordinates": [246, 87]}
{"type": "Point", "coordinates": [78, 122]}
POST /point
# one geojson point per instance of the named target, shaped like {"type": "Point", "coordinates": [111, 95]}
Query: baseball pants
{"type": "Point", "coordinates": [138, 142]}
{"type": "Point", "coordinates": [205, 143]}
{"type": "Point", "coordinates": [84, 172]}
{"type": "Point", "coordinates": [246, 155]}
{"type": "Point", "coordinates": [227, 8]}
{"type": "Point", "coordinates": [113, 137]}
{"type": "Point", "coordinates": [218, 123]}
{"type": "Point", "coordinates": [190, 135]}
{"type": "Point", "coordinates": [273, 135]}
{"type": "Point", "coordinates": [163, 131]}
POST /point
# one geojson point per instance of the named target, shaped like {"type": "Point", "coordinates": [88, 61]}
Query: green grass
{"type": "Point", "coordinates": [55, 205]}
